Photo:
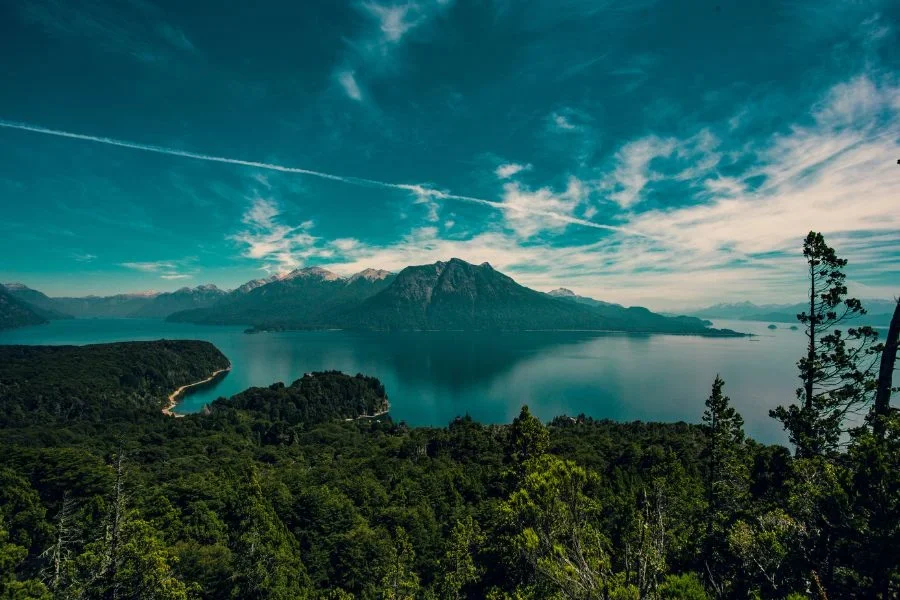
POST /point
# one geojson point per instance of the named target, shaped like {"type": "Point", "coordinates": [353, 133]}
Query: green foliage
{"type": "Point", "coordinates": [683, 587]}
{"type": "Point", "coordinates": [837, 369]}
{"type": "Point", "coordinates": [528, 438]}
{"type": "Point", "coordinates": [315, 398]}
{"type": "Point", "coordinates": [127, 380]}
{"type": "Point", "coordinates": [727, 480]}
{"type": "Point", "coordinates": [458, 566]}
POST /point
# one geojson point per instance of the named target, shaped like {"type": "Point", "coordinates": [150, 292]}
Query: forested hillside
{"type": "Point", "coordinates": [16, 313]}
{"type": "Point", "coordinates": [41, 384]}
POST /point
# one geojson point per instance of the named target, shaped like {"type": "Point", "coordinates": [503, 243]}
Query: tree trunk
{"type": "Point", "coordinates": [811, 351]}
{"type": "Point", "coordinates": [886, 373]}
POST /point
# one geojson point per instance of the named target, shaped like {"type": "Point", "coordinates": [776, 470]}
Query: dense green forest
{"type": "Point", "coordinates": [274, 493]}
{"type": "Point", "coordinates": [42, 384]}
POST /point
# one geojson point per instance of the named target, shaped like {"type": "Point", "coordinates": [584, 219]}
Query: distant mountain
{"type": "Point", "coordinates": [567, 294]}
{"type": "Point", "coordinates": [304, 298]}
{"type": "Point", "coordinates": [118, 306]}
{"type": "Point", "coordinates": [16, 313]}
{"type": "Point", "coordinates": [163, 305]}
{"type": "Point", "coordinates": [878, 312]}
{"type": "Point", "coordinates": [39, 302]}
{"type": "Point", "coordinates": [456, 295]}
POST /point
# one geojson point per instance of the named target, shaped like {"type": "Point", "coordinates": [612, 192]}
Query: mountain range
{"type": "Point", "coordinates": [446, 295]}
{"type": "Point", "coordinates": [878, 313]}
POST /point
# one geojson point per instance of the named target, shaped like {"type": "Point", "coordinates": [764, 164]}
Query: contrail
{"type": "Point", "coordinates": [419, 190]}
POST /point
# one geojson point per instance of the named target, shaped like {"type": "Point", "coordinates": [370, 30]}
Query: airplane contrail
{"type": "Point", "coordinates": [419, 190]}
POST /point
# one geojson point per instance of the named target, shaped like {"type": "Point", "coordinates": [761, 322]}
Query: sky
{"type": "Point", "coordinates": [657, 153]}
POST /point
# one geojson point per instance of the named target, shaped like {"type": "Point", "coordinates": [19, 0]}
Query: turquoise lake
{"type": "Point", "coordinates": [431, 377]}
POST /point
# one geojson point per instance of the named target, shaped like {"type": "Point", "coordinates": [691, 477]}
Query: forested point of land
{"type": "Point", "coordinates": [42, 384]}
{"type": "Point", "coordinates": [275, 494]}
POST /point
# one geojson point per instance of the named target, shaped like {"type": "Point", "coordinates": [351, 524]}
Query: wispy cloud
{"type": "Point", "coordinates": [348, 81]}
{"type": "Point", "coordinates": [563, 122]}
{"type": "Point", "coordinates": [132, 28]}
{"type": "Point", "coordinates": [632, 170]}
{"type": "Point", "coordinates": [508, 170]}
{"type": "Point", "coordinates": [277, 246]}
{"type": "Point", "coordinates": [149, 267]}
{"type": "Point", "coordinates": [372, 53]}
{"type": "Point", "coordinates": [393, 21]}
{"type": "Point", "coordinates": [166, 269]}
{"type": "Point", "coordinates": [83, 257]}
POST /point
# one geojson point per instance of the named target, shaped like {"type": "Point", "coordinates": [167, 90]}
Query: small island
{"type": "Point", "coordinates": [773, 326]}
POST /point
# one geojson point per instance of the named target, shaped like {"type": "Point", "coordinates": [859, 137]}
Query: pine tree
{"type": "Point", "coordinates": [726, 478]}
{"type": "Point", "coordinates": [836, 376]}
{"type": "Point", "coordinates": [528, 437]}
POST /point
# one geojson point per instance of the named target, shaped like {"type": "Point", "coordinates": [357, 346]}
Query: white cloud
{"type": "Point", "coordinates": [84, 257]}
{"type": "Point", "coordinates": [393, 21]}
{"type": "Point", "coordinates": [563, 122]}
{"type": "Point", "coordinates": [632, 170]}
{"type": "Point", "coordinates": [347, 79]}
{"type": "Point", "coordinates": [149, 267]}
{"type": "Point", "coordinates": [277, 246]}
{"type": "Point", "coordinates": [507, 170]}
{"type": "Point", "coordinates": [167, 269]}
{"type": "Point", "coordinates": [527, 211]}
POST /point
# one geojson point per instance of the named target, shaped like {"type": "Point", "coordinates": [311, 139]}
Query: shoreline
{"type": "Point", "coordinates": [172, 401]}
{"type": "Point", "coordinates": [378, 414]}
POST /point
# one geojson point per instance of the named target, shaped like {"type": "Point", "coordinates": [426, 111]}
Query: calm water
{"type": "Point", "coordinates": [433, 377]}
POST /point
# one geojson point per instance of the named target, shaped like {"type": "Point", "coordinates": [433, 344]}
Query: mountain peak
{"type": "Point", "coordinates": [207, 287]}
{"type": "Point", "coordinates": [15, 286]}
{"type": "Point", "coordinates": [255, 283]}
{"type": "Point", "coordinates": [370, 275]}
{"type": "Point", "coordinates": [312, 272]}
{"type": "Point", "coordinates": [561, 293]}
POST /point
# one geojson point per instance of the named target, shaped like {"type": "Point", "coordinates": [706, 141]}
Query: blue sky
{"type": "Point", "coordinates": [668, 154]}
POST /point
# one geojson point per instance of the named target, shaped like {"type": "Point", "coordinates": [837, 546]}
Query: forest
{"type": "Point", "coordinates": [282, 493]}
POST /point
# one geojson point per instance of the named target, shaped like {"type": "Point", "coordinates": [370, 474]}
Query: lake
{"type": "Point", "coordinates": [431, 377]}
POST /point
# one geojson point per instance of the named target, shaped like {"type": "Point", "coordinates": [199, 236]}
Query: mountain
{"type": "Point", "coordinates": [163, 305]}
{"type": "Point", "coordinates": [16, 313]}
{"type": "Point", "coordinates": [456, 295]}
{"type": "Point", "coordinates": [39, 302]}
{"type": "Point", "coordinates": [118, 306]}
{"type": "Point", "coordinates": [303, 298]}
{"type": "Point", "coordinates": [567, 294]}
{"type": "Point", "coordinates": [878, 314]}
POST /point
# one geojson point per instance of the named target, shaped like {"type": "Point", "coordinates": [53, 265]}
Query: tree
{"type": "Point", "coordinates": [400, 581]}
{"type": "Point", "coordinates": [835, 376]}
{"type": "Point", "coordinates": [528, 438]}
{"type": "Point", "coordinates": [726, 478]}
{"type": "Point", "coordinates": [554, 522]}
{"type": "Point", "coordinates": [763, 546]}
{"type": "Point", "coordinates": [60, 556]}
{"type": "Point", "coordinates": [11, 555]}
{"type": "Point", "coordinates": [882, 406]}
{"type": "Point", "coordinates": [267, 562]}
{"type": "Point", "coordinates": [458, 568]}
